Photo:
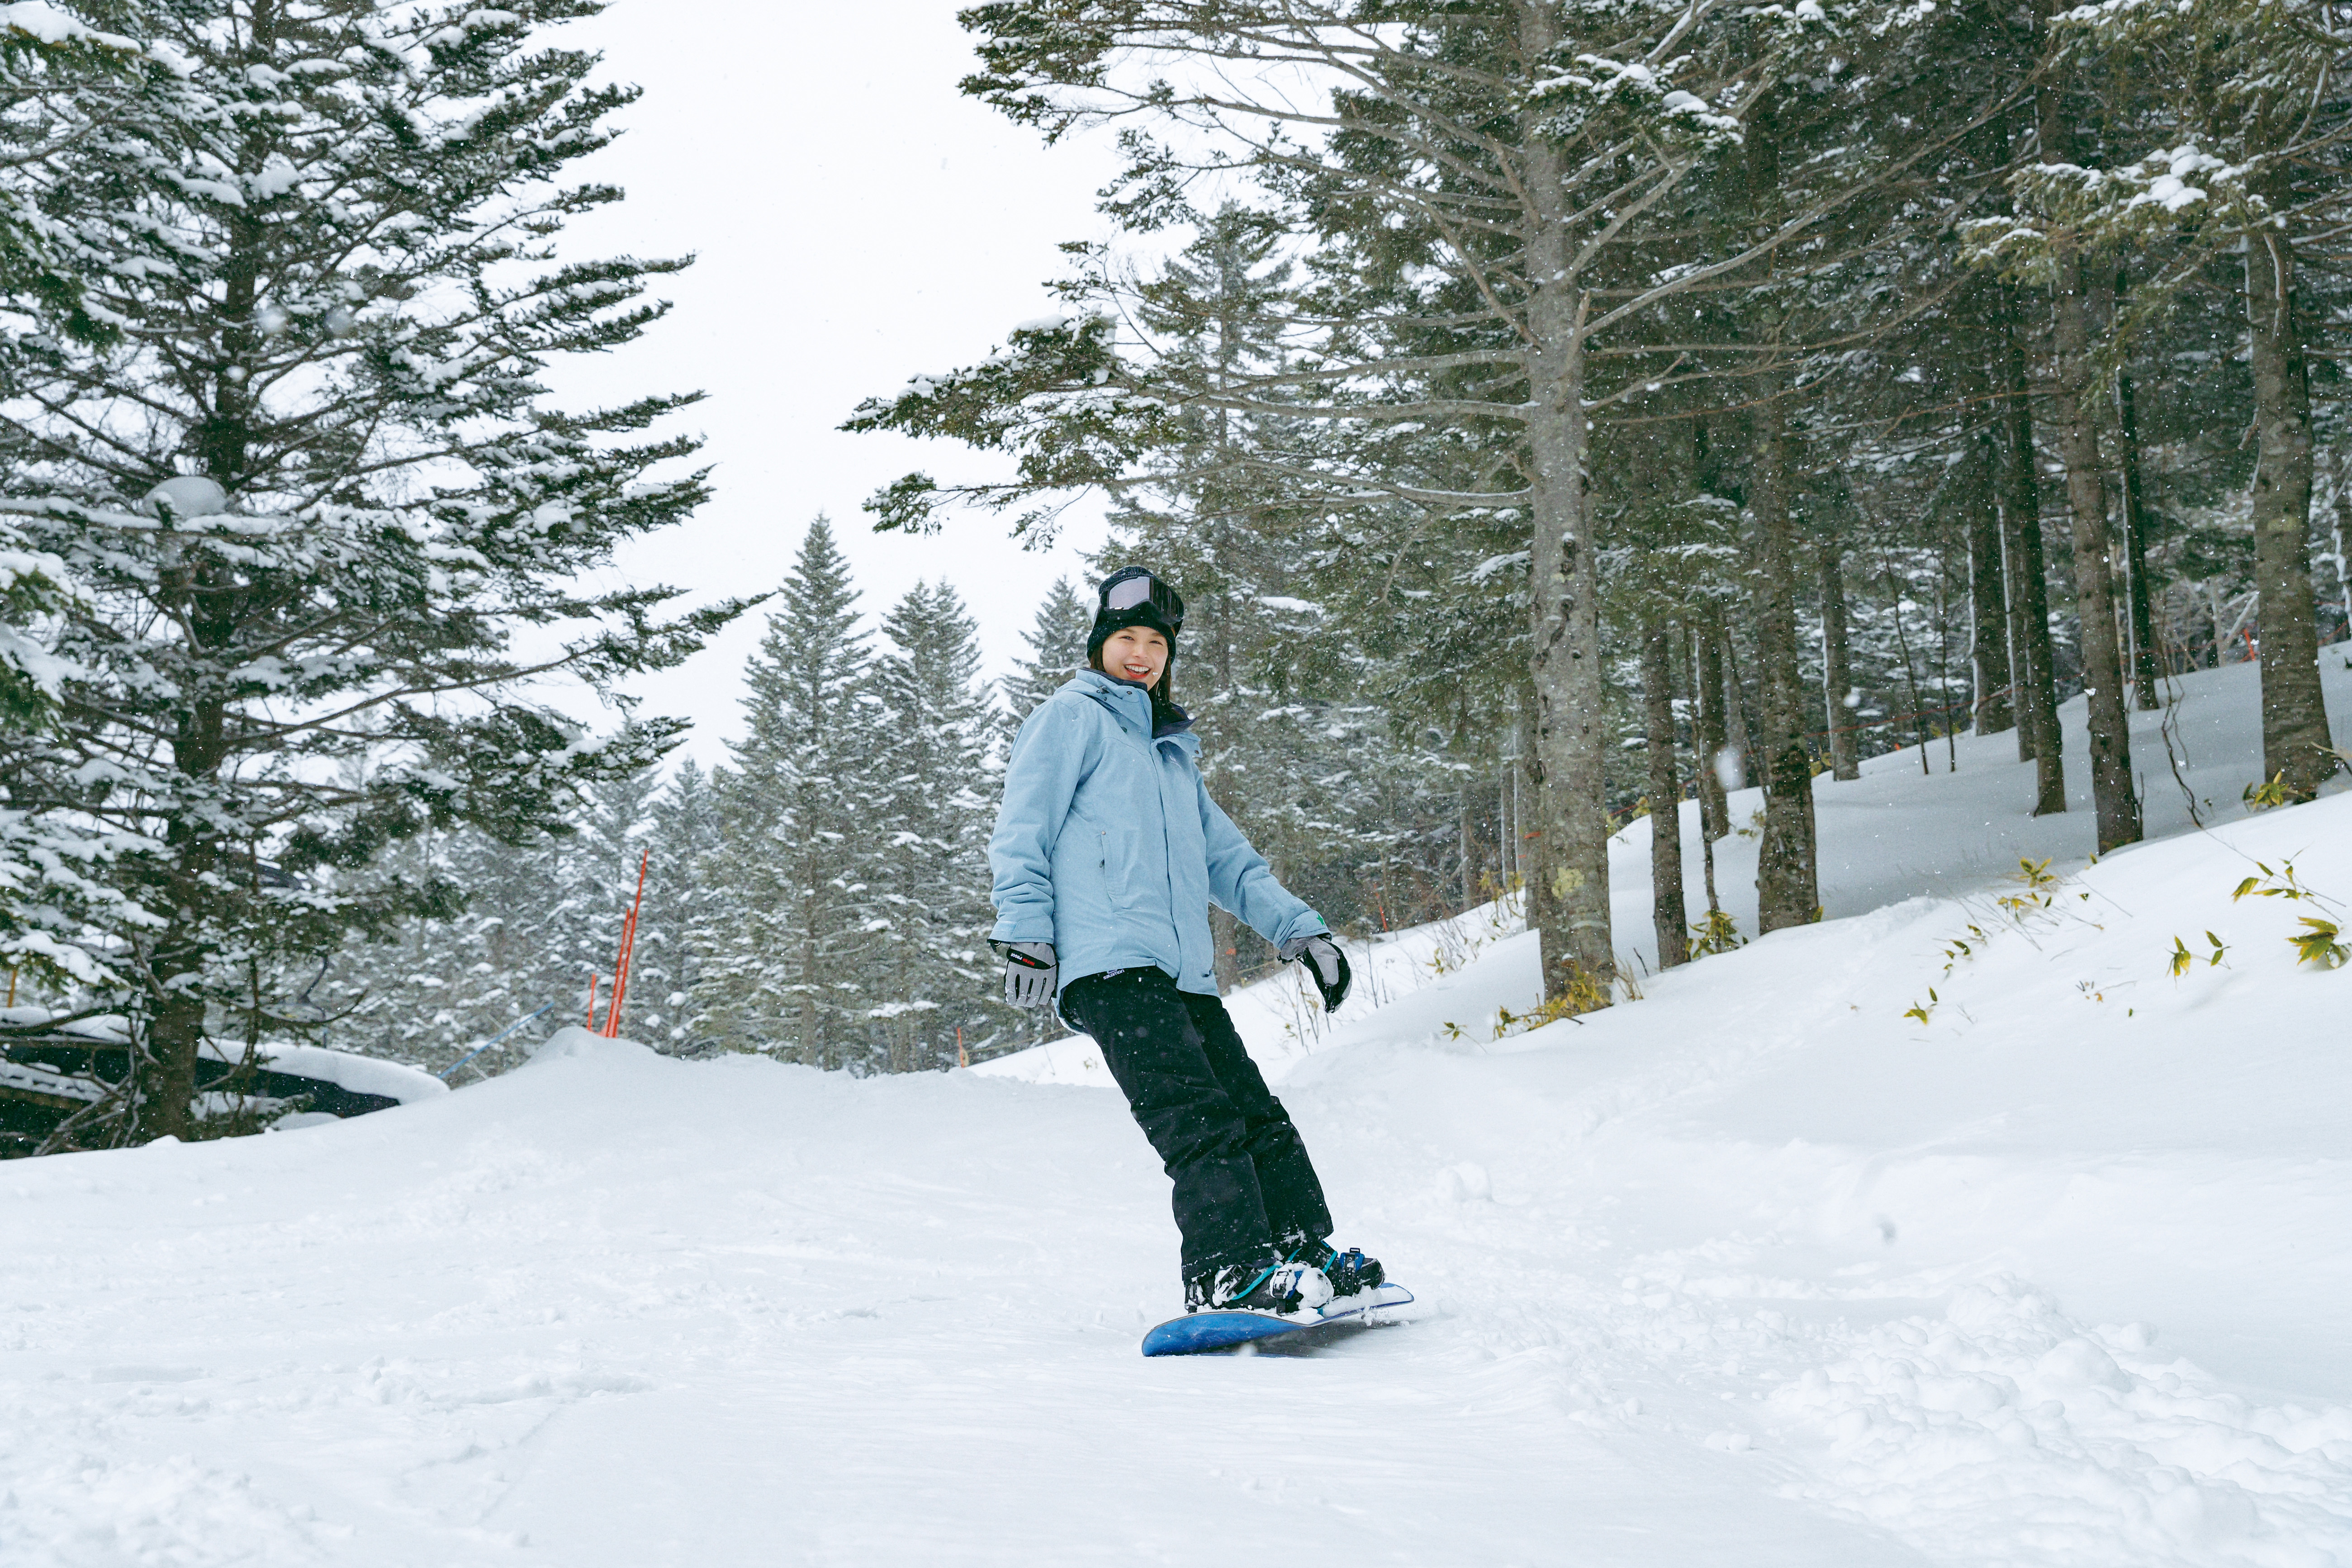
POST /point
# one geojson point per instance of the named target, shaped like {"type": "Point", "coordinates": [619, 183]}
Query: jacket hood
{"type": "Point", "coordinates": [1137, 707]}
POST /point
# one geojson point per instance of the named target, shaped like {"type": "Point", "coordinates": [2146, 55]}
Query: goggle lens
{"type": "Point", "coordinates": [1127, 594]}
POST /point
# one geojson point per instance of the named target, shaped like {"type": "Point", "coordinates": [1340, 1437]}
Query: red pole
{"type": "Point", "coordinates": [592, 978]}
{"type": "Point", "coordinates": [628, 952]}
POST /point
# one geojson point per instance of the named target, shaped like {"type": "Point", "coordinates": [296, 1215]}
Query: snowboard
{"type": "Point", "coordinates": [1197, 1332]}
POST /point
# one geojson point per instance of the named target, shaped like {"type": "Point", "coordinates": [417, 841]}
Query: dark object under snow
{"type": "Point", "coordinates": [1198, 1331]}
{"type": "Point", "coordinates": [1245, 1192]}
{"type": "Point", "coordinates": [47, 1077]}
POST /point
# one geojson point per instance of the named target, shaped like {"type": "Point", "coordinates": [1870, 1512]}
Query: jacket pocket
{"type": "Point", "coordinates": [1120, 853]}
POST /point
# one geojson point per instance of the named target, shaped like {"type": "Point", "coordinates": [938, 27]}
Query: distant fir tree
{"type": "Point", "coordinates": [1057, 650]}
{"type": "Point", "coordinates": [789, 943]}
{"type": "Point", "coordinates": [315, 486]}
{"type": "Point", "coordinates": [601, 864]}
{"type": "Point", "coordinates": [541, 918]}
{"type": "Point", "coordinates": [686, 836]}
{"type": "Point", "coordinates": [939, 790]}
{"type": "Point", "coordinates": [426, 992]}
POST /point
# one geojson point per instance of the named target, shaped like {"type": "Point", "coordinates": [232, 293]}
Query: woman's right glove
{"type": "Point", "coordinates": [1324, 962]}
{"type": "Point", "coordinates": [1030, 969]}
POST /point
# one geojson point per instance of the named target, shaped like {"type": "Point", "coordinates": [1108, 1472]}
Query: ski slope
{"type": "Point", "coordinates": [1759, 1271]}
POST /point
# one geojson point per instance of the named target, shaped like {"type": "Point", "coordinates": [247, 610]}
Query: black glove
{"type": "Point", "coordinates": [1030, 971]}
{"type": "Point", "coordinates": [1326, 964]}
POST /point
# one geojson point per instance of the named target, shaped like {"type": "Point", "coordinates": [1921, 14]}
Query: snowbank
{"type": "Point", "coordinates": [360, 1075]}
{"type": "Point", "coordinates": [573, 1043]}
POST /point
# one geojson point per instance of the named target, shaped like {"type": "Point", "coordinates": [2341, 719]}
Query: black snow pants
{"type": "Point", "coordinates": [1244, 1187]}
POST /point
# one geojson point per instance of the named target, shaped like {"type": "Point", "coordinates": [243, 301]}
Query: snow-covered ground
{"type": "Point", "coordinates": [1766, 1269]}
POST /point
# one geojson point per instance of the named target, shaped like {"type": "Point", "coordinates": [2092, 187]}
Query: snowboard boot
{"type": "Point", "coordinates": [1276, 1285]}
{"type": "Point", "coordinates": [1350, 1272]}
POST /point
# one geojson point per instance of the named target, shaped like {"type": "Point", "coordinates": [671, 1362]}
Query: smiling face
{"type": "Point", "coordinates": [1137, 654]}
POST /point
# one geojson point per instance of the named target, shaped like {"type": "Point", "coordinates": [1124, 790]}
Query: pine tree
{"type": "Point", "coordinates": [344, 493]}
{"type": "Point", "coordinates": [1057, 650]}
{"type": "Point", "coordinates": [686, 838]}
{"type": "Point", "coordinates": [790, 943]}
{"type": "Point", "coordinates": [63, 84]}
{"type": "Point", "coordinates": [938, 792]}
{"type": "Point", "coordinates": [427, 991]}
{"type": "Point", "coordinates": [541, 918]}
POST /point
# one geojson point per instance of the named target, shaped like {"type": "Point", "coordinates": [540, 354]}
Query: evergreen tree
{"type": "Point", "coordinates": [1057, 650]}
{"type": "Point", "coordinates": [789, 943]}
{"type": "Point", "coordinates": [938, 792]}
{"type": "Point", "coordinates": [428, 991]}
{"type": "Point", "coordinates": [540, 919]}
{"type": "Point", "coordinates": [314, 487]}
{"type": "Point", "coordinates": [63, 84]}
{"type": "Point", "coordinates": [686, 839]}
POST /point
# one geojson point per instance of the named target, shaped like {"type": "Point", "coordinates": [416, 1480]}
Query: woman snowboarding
{"type": "Point", "coordinates": [1107, 853]}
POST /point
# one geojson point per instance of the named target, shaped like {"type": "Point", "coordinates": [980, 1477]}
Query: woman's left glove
{"type": "Point", "coordinates": [1324, 962]}
{"type": "Point", "coordinates": [1030, 970]}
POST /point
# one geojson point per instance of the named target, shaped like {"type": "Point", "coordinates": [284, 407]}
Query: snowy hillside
{"type": "Point", "coordinates": [1767, 1269]}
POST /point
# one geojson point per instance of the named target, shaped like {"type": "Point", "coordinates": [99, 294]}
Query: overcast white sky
{"type": "Point", "coordinates": [857, 221]}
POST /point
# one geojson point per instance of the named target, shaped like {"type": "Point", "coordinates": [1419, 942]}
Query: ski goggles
{"type": "Point", "coordinates": [1133, 592]}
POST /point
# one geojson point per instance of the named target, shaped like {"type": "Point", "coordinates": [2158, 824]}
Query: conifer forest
{"type": "Point", "coordinates": [1549, 411]}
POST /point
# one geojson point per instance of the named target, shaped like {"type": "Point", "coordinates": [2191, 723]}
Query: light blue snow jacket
{"type": "Point", "coordinates": [1108, 846]}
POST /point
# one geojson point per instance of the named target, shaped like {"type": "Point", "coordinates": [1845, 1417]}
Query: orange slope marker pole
{"type": "Point", "coordinates": [628, 952]}
{"type": "Point", "coordinates": [592, 978]}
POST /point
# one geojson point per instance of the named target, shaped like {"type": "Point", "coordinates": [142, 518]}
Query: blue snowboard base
{"type": "Point", "coordinates": [1197, 1332]}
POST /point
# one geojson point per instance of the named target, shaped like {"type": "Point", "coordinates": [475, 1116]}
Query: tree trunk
{"type": "Point", "coordinates": [1667, 917]}
{"type": "Point", "coordinates": [1988, 601]}
{"type": "Point", "coordinates": [2335, 536]}
{"type": "Point", "coordinates": [811, 1039]}
{"type": "Point", "coordinates": [1714, 809]}
{"type": "Point", "coordinates": [2038, 738]}
{"type": "Point", "coordinates": [1837, 668]}
{"type": "Point", "coordinates": [1533, 853]}
{"type": "Point", "coordinates": [1788, 885]}
{"type": "Point", "coordinates": [1506, 860]}
{"type": "Point", "coordinates": [2136, 527]}
{"type": "Point", "coordinates": [2112, 796]}
{"type": "Point", "coordinates": [2295, 712]}
{"type": "Point", "coordinates": [1572, 731]}
{"type": "Point", "coordinates": [175, 1037]}
{"type": "Point", "coordinates": [1735, 713]}
{"type": "Point", "coordinates": [1469, 852]}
